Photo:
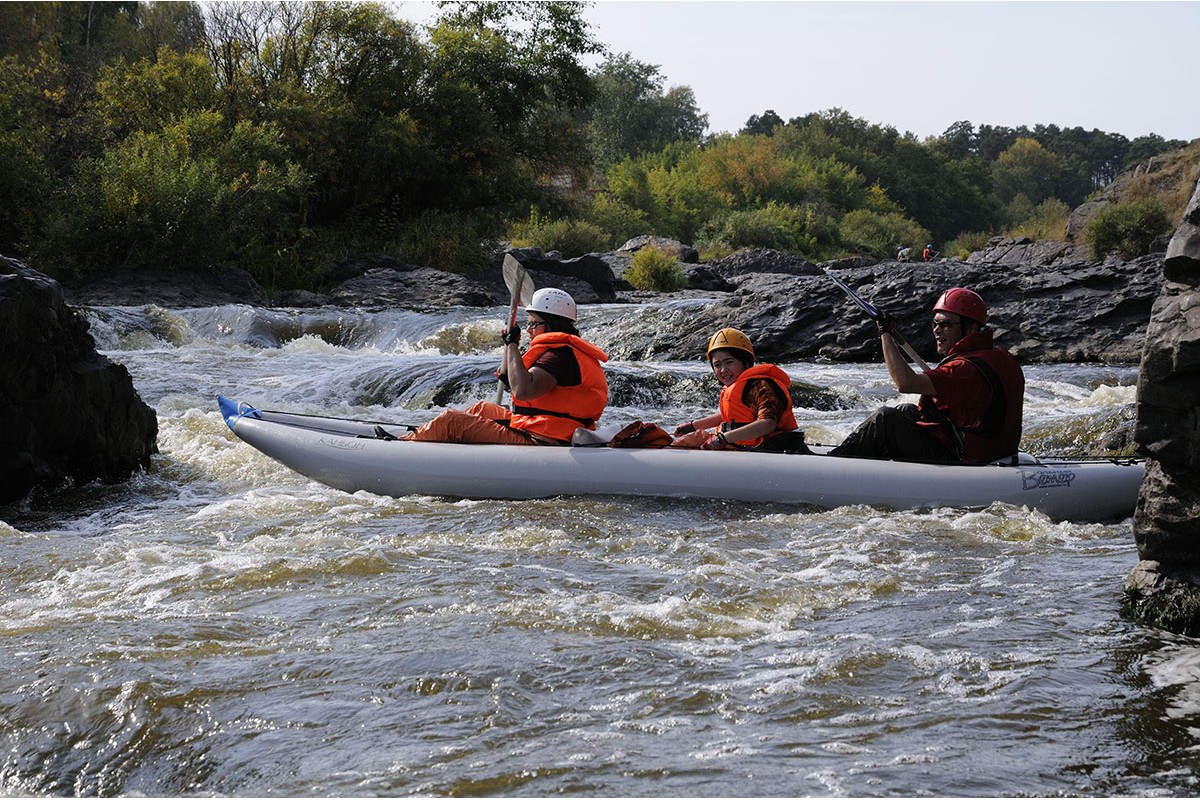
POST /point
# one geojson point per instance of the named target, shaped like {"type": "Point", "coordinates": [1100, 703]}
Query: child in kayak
{"type": "Point", "coordinates": [755, 405]}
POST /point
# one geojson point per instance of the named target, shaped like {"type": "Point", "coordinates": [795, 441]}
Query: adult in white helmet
{"type": "Point", "coordinates": [970, 404]}
{"type": "Point", "coordinates": [557, 385]}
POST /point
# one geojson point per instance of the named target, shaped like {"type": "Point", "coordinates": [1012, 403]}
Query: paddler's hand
{"type": "Point", "coordinates": [885, 324]}
{"type": "Point", "coordinates": [715, 442]}
{"type": "Point", "coordinates": [685, 428]}
{"type": "Point", "coordinates": [511, 335]}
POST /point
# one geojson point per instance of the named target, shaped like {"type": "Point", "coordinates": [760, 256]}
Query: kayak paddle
{"type": "Point", "coordinates": [874, 313]}
{"type": "Point", "coordinates": [520, 287]}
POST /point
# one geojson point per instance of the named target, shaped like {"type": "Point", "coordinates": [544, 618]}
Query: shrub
{"type": "Point", "coordinates": [571, 237]}
{"type": "Point", "coordinates": [1128, 228]}
{"type": "Point", "coordinates": [653, 270]}
{"type": "Point", "coordinates": [455, 242]}
{"type": "Point", "coordinates": [1047, 221]}
{"type": "Point", "coordinates": [966, 243]}
{"type": "Point", "coordinates": [618, 218]}
{"type": "Point", "coordinates": [876, 234]}
{"type": "Point", "coordinates": [795, 229]}
{"type": "Point", "coordinates": [194, 193]}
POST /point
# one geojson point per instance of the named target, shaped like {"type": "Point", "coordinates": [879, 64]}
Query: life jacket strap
{"type": "Point", "coordinates": [531, 411]}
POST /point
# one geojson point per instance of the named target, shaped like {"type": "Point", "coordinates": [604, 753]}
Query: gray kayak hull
{"type": "Point", "coordinates": [347, 454]}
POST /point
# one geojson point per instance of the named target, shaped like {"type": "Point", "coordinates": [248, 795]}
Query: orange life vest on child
{"type": "Point", "coordinates": [557, 413]}
{"type": "Point", "coordinates": [735, 412]}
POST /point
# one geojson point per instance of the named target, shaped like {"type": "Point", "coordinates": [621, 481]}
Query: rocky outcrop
{"type": "Point", "coordinates": [1075, 313]}
{"type": "Point", "coordinates": [1009, 252]}
{"type": "Point", "coordinates": [66, 412]}
{"type": "Point", "coordinates": [1168, 176]}
{"type": "Point", "coordinates": [1164, 588]}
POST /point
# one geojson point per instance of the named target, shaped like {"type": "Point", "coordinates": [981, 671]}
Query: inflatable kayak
{"type": "Point", "coordinates": [354, 455]}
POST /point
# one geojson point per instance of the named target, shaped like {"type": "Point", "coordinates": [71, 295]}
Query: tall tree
{"type": "Point", "coordinates": [764, 124]}
{"type": "Point", "coordinates": [631, 114]}
{"type": "Point", "coordinates": [1025, 168]}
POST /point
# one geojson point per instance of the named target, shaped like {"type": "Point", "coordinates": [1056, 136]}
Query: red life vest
{"type": "Point", "coordinates": [557, 413]}
{"type": "Point", "coordinates": [992, 430]}
{"type": "Point", "coordinates": [735, 412]}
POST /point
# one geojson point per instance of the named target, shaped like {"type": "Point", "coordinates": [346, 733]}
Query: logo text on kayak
{"type": "Point", "coordinates": [1047, 479]}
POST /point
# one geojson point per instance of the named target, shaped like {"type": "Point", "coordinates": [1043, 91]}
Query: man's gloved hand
{"type": "Point", "coordinates": [885, 324]}
{"type": "Point", "coordinates": [511, 335]}
{"type": "Point", "coordinates": [685, 428]}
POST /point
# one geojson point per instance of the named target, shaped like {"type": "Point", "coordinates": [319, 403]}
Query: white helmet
{"type": "Point", "coordinates": [553, 301]}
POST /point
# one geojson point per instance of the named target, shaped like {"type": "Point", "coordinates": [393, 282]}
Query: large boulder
{"type": "Point", "coordinates": [589, 278]}
{"type": "Point", "coordinates": [1164, 588]}
{"type": "Point", "coordinates": [414, 287]}
{"type": "Point", "coordinates": [66, 412]}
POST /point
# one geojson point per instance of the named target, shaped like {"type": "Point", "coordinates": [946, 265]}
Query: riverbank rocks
{"type": "Point", "coordinates": [1164, 588]}
{"type": "Point", "coordinates": [67, 413]}
{"type": "Point", "coordinates": [217, 285]}
{"type": "Point", "coordinates": [1077, 313]}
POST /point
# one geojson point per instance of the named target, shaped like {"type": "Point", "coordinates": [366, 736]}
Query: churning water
{"type": "Point", "coordinates": [224, 626]}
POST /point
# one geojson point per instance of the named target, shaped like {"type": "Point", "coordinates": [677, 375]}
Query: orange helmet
{"type": "Point", "coordinates": [963, 302]}
{"type": "Point", "coordinates": [730, 339]}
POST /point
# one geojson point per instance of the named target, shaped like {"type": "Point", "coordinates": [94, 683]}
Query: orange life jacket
{"type": "Point", "coordinates": [557, 413]}
{"type": "Point", "coordinates": [735, 412]}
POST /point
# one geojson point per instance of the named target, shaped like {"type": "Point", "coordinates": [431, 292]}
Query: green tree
{"type": "Point", "coordinates": [1025, 168]}
{"type": "Point", "coordinates": [763, 125]}
{"type": "Point", "coordinates": [185, 196]}
{"type": "Point", "coordinates": [632, 114]}
{"type": "Point", "coordinates": [1143, 148]}
{"type": "Point", "coordinates": [151, 95]}
{"type": "Point", "coordinates": [25, 176]}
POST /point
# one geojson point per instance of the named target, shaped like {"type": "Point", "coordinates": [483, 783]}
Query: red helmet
{"type": "Point", "coordinates": [963, 302]}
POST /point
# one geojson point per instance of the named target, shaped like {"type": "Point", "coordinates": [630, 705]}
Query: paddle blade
{"type": "Point", "coordinates": [517, 280]}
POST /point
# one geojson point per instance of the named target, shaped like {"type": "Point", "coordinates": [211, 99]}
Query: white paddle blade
{"type": "Point", "coordinates": [515, 274]}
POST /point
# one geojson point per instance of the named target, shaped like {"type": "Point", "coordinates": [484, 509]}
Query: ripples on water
{"type": "Point", "coordinates": [222, 625]}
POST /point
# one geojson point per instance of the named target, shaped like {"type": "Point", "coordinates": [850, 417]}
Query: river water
{"type": "Point", "coordinates": [223, 626]}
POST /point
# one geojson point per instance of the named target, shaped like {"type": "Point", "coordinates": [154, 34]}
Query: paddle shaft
{"type": "Point", "coordinates": [875, 314]}
{"type": "Point", "coordinates": [519, 279]}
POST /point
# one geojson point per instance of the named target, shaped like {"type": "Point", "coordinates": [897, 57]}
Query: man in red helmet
{"type": "Point", "coordinates": [971, 402]}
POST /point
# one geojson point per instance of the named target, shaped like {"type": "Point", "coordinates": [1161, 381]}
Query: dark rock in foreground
{"type": "Point", "coordinates": [1164, 588]}
{"type": "Point", "coordinates": [66, 412]}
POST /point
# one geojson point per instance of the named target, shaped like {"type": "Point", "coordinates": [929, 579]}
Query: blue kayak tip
{"type": "Point", "coordinates": [232, 410]}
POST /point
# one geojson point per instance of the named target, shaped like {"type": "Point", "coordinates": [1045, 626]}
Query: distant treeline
{"type": "Point", "coordinates": [285, 136]}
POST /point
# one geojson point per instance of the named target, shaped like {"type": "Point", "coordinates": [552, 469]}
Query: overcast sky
{"type": "Point", "coordinates": [1122, 67]}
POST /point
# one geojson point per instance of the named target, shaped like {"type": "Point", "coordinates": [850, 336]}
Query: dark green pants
{"type": "Point", "coordinates": [893, 433]}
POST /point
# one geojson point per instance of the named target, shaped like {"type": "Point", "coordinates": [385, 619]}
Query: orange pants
{"type": "Point", "coordinates": [476, 425]}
